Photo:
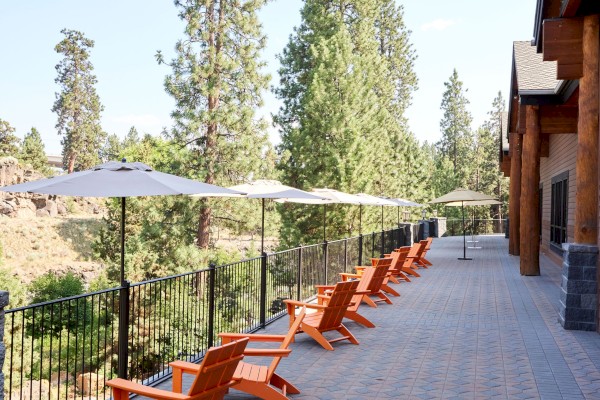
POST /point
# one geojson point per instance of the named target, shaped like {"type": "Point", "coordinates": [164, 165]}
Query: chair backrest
{"type": "Point", "coordinates": [289, 338]}
{"type": "Point", "coordinates": [395, 256]}
{"type": "Point", "coordinates": [411, 255]}
{"type": "Point", "coordinates": [341, 297]}
{"type": "Point", "coordinates": [422, 247]}
{"type": "Point", "coordinates": [217, 368]}
{"type": "Point", "coordinates": [381, 267]}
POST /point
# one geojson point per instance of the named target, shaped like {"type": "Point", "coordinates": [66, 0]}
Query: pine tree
{"type": "Point", "coordinates": [9, 142]}
{"type": "Point", "coordinates": [33, 153]}
{"type": "Point", "coordinates": [111, 149]}
{"type": "Point", "coordinates": [342, 121]}
{"type": "Point", "coordinates": [78, 105]}
{"type": "Point", "coordinates": [217, 83]}
{"type": "Point", "coordinates": [457, 139]}
{"type": "Point", "coordinates": [132, 138]}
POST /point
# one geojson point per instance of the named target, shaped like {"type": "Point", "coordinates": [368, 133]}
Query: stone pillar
{"type": "Point", "coordinates": [440, 226]}
{"type": "Point", "coordinates": [578, 298]}
{"type": "Point", "coordinates": [3, 304]}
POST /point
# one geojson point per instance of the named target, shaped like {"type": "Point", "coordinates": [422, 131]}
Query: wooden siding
{"type": "Point", "coordinates": [563, 155]}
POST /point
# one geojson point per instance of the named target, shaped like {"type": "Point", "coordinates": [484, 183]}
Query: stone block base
{"type": "Point", "coordinates": [578, 294]}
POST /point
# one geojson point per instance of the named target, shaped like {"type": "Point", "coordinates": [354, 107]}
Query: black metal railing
{"type": "Point", "coordinates": [454, 227]}
{"type": "Point", "coordinates": [69, 348]}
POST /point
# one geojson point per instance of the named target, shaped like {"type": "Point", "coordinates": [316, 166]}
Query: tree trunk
{"type": "Point", "coordinates": [210, 153]}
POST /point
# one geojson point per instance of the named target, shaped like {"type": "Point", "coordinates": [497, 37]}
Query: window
{"type": "Point", "coordinates": [558, 208]}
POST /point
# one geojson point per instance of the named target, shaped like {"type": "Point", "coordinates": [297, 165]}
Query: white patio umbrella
{"type": "Point", "coordinates": [404, 203]}
{"type": "Point", "coordinates": [119, 179]}
{"type": "Point", "coordinates": [473, 203]}
{"type": "Point", "coordinates": [271, 189]}
{"type": "Point", "coordinates": [329, 196]}
{"type": "Point", "coordinates": [462, 196]}
{"type": "Point", "coordinates": [376, 201]}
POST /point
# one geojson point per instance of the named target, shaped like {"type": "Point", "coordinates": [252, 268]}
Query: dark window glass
{"type": "Point", "coordinates": [559, 209]}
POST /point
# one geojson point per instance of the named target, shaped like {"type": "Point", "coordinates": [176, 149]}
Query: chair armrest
{"type": "Point", "coordinates": [294, 302]}
{"type": "Point", "coordinates": [267, 352]}
{"type": "Point", "coordinates": [345, 276]}
{"type": "Point", "coordinates": [254, 337]}
{"type": "Point", "coordinates": [133, 387]}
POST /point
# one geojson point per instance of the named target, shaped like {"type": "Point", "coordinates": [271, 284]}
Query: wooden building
{"type": "Point", "coordinates": [552, 130]}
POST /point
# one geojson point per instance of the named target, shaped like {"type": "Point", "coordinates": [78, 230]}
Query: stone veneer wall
{"type": "Point", "coordinates": [3, 304]}
{"type": "Point", "coordinates": [578, 296]}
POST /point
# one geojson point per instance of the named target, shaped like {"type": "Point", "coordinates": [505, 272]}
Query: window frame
{"type": "Point", "coordinates": [559, 210]}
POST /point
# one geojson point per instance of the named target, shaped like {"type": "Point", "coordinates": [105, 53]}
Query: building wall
{"type": "Point", "coordinates": [563, 155]}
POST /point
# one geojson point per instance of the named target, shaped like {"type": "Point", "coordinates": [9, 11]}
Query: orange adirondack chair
{"type": "Point", "coordinates": [374, 286]}
{"type": "Point", "coordinates": [409, 265]}
{"type": "Point", "coordinates": [352, 311]}
{"type": "Point", "coordinates": [257, 380]}
{"type": "Point", "coordinates": [424, 246]}
{"type": "Point", "coordinates": [404, 262]}
{"type": "Point", "coordinates": [328, 317]}
{"type": "Point", "coordinates": [395, 274]}
{"type": "Point", "coordinates": [213, 377]}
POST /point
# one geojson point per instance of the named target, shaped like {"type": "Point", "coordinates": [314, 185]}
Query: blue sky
{"type": "Point", "coordinates": [473, 36]}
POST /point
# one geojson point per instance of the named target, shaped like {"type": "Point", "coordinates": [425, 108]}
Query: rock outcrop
{"type": "Point", "coordinates": [28, 205]}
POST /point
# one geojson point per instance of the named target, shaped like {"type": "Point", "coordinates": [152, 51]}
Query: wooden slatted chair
{"type": "Point", "coordinates": [258, 380]}
{"type": "Point", "coordinates": [424, 246]}
{"type": "Point", "coordinates": [327, 317]}
{"type": "Point", "coordinates": [405, 261]}
{"type": "Point", "coordinates": [213, 377]}
{"type": "Point", "coordinates": [395, 274]}
{"type": "Point", "coordinates": [373, 287]}
{"type": "Point", "coordinates": [323, 292]}
{"type": "Point", "coordinates": [409, 262]}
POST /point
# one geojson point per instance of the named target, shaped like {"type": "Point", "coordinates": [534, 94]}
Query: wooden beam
{"type": "Point", "coordinates": [521, 122]}
{"type": "Point", "coordinates": [530, 194]}
{"type": "Point", "coordinates": [570, 8]}
{"type": "Point", "coordinates": [563, 43]}
{"type": "Point", "coordinates": [514, 199]}
{"type": "Point", "coordinates": [505, 166]}
{"type": "Point", "coordinates": [558, 119]}
{"type": "Point", "coordinates": [586, 201]}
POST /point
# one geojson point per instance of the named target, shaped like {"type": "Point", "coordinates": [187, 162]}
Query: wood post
{"type": "Point", "coordinates": [586, 201]}
{"type": "Point", "coordinates": [514, 207]}
{"type": "Point", "coordinates": [530, 194]}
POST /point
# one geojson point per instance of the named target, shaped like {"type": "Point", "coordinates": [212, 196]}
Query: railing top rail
{"type": "Point", "coordinates": [61, 300]}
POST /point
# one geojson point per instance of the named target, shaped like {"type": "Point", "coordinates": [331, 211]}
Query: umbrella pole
{"type": "Point", "coordinates": [464, 257]}
{"type": "Point", "coordinates": [360, 219]}
{"type": "Point", "coordinates": [381, 218]}
{"type": "Point", "coordinates": [262, 230]}
{"type": "Point", "coordinates": [324, 222]}
{"type": "Point", "coordinates": [122, 241]}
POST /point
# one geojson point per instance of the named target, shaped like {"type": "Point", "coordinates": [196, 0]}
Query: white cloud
{"type": "Point", "coordinates": [438, 24]}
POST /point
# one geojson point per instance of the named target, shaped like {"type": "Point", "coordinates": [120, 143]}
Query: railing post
{"type": "Point", "coordinates": [360, 249]}
{"type": "Point", "coordinates": [3, 304]}
{"type": "Point", "coordinates": [299, 274]}
{"type": "Point", "coordinates": [263, 289]}
{"type": "Point", "coordinates": [212, 272]}
{"type": "Point", "coordinates": [345, 254]}
{"type": "Point", "coordinates": [325, 257]}
{"type": "Point", "coordinates": [372, 244]}
{"type": "Point", "coordinates": [123, 329]}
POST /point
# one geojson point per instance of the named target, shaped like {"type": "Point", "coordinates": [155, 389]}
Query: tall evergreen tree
{"type": "Point", "coordinates": [33, 153]}
{"type": "Point", "coordinates": [217, 83]}
{"type": "Point", "coordinates": [341, 119]}
{"type": "Point", "coordinates": [457, 139]}
{"type": "Point", "coordinates": [77, 105]}
{"type": "Point", "coordinates": [9, 142]}
{"type": "Point", "coordinates": [111, 149]}
{"type": "Point", "coordinates": [132, 138]}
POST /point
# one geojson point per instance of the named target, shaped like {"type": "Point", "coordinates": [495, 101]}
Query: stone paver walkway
{"type": "Point", "coordinates": [464, 330]}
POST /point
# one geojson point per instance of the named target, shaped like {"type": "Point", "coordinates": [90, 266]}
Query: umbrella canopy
{"type": "Point", "coordinates": [462, 197]}
{"type": "Point", "coordinates": [329, 196]}
{"type": "Point", "coordinates": [119, 179]}
{"type": "Point", "coordinates": [272, 189]}
{"type": "Point", "coordinates": [406, 203]}
{"type": "Point", "coordinates": [474, 203]}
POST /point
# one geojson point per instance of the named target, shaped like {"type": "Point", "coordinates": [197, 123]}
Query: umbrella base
{"type": "Point", "coordinates": [464, 258]}
{"type": "Point", "coordinates": [474, 247]}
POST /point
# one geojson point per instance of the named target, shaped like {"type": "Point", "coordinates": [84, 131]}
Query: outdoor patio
{"type": "Point", "coordinates": [464, 330]}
